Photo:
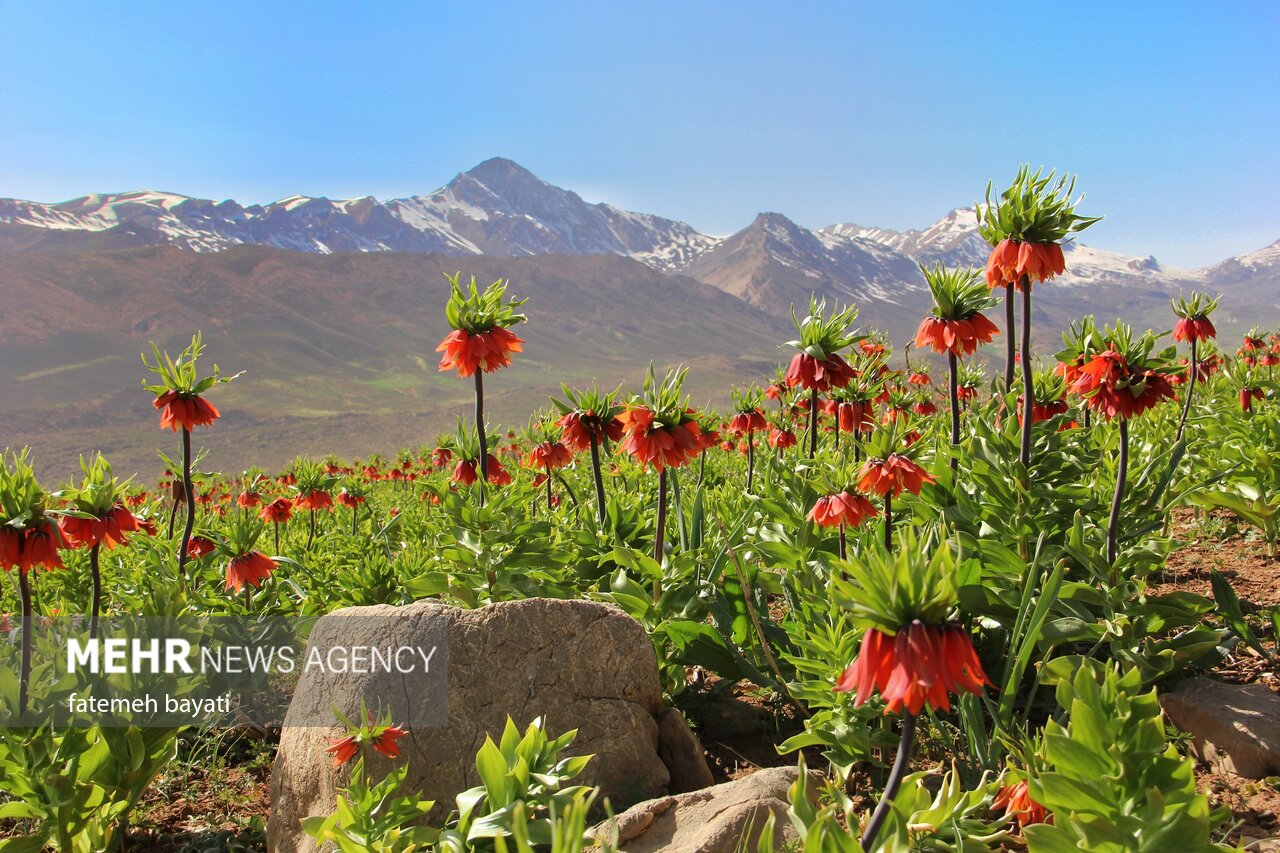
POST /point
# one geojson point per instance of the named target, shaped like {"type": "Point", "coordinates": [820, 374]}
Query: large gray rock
{"type": "Point", "coordinates": [1236, 726]}
{"type": "Point", "coordinates": [579, 664]}
{"type": "Point", "coordinates": [718, 819]}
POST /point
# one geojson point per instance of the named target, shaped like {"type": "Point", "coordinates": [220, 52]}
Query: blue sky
{"type": "Point", "coordinates": [884, 114]}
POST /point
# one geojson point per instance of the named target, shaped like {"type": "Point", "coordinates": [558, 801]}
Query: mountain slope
{"type": "Point", "coordinates": [338, 348]}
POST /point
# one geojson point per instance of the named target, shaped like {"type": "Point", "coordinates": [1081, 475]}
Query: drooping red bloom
{"type": "Point", "coordinates": [774, 391]}
{"type": "Point", "coordinates": [548, 455]}
{"type": "Point", "coordinates": [1018, 806]}
{"type": "Point", "coordinates": [965, 393]}
{"type": "Point", "coordinates": [39, 547]}
{"type": "Point", "coordinates": [251, 568]}
{"type": "Point", "coordinates": [278, 511]}
{"type": "Point", "coordinates": [342, 749]}
{"type": "Point", "coordinates": [349, 500]}
{"type": "Point", "coordinates": [200, 547]}
{"type": "Point", "coordinates": [661, 446]}
{"type": "Point", "coordinates": [1069, 370]}
{"type": "Point", "coordinates": [578, 427]}
{"type": "Point", "coordinates": [1044, 411]}
{"type": "Point", "coordinates": [10, 547]}
{"type": "Point", "coordinates": [920, 378]}
{"type": "Point", "coordinates": [747, 422]}
{"type": "Point", "coordinates": [187, 412]}
{"type": "Point", "coordinates": [466, 472]}
{"type": "Point", "coordinates": [894, 474]}
{"type": "Point", "coordinates": [1109, 386]}
{"type": "Point", "coordinates": [1010, 260]}
{"type": "Point", "coordinates": [781, 438]}
{"type": "Point", "coordinates": [1194, 329]}
{"type": "Point", "coordinates": [924, 408]}
{"type": "Point", "coordinates": [315, 499]}
{"type": "Point", "coordinates": [842, 508]}
{"type": "Point", "coordinates": [386, 742]}
{"type": "Point", "coordinates": [1247, 396]}
{"type": "Point", "coordinates": [441, 456]}
{"type": "Point", "coordinates": [961, 337]}
{"type": "Point", "coordinates": [248, 499]}
{"type": "Point", "coordinates": [488, 351]}
{"type": "Point", "coordinates": [810, 373]}
{"type": "Point", "coordinates": [111, 529]}
{"type": "Point", "coordinates": [920, 664]}
{"type": "Point", "coordinates": [857, 416]}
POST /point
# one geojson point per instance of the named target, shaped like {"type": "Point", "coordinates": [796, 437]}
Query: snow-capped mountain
{"type": "Point", "coordinates": [498, 208]}
{"type": "Point", "coordinates": [773, 261]}
{"type": "Point", "coordinates": [501, 209]}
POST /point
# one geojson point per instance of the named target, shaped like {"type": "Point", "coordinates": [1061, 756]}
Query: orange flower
{"type": "Point", "coordinates": [895, 475]}
{"type": "Point", "coordinates": [278, 511]}
{"type": "Point", "coordinates": [251, 568]}
{"type": "Point", "coordinates": [1111, 388]}
{"type": "Point", "coordinates": [187, 412]}
{"type": "Point", "coordinates": [315, 499]}
{"type": "Point", "coordinates": [466, 472]}
{"type": "Point", "coordinates": [746, 422]}
{"type": "Point", "coordinates": [1194, 329]}
{"type": "Point", "coordinates": [465, 351]}
{"type": "Point", "coordinates": [548, 455]}
{"type": "Point", "coordinates": [842, 508]}
{"type": "Point", "coordinates": [1247, 396]}
{"type": "Point", "coordinates": [920, 664]}
{"type": "Point", "coordinates": [111, 529]}
{"type": "Point", "coordinates": [961, 337]}
{"type": "Point", "coordinates": [1016, 801]}
{"type": "Point", "coordinates": [10, 547]}
{"type": "Point", "coordinates": [386, 742]}
{"type": "Point", "coordinates": [810, 373]}
{"type": "Point", "coordinates": [40, 546]}
{"type": "Point", "coordinates": [441, 457]}
{"type": "Point", "coordinates": [200, 547]}
{"type": "Point", "coordinates": [778, 438]}
{"type": "Point", "coordinates": [248, 499]}
{"type": "Point", "coordinates": [660, 447]}
{"type": "Point", "coordinates": [349, 500]}
{"type": "Point", "coordinates": [342, 749]}
{"type": "Point", "coordinates": [1011, 260]}
{"type": "Point", "coordinates": [578, 427]}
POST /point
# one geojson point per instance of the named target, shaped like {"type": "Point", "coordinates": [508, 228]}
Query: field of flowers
{"type": "Point", "coordinates": [941, 576]}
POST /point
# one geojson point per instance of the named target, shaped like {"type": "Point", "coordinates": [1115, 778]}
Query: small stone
{"type": "Point", "coordinates": [720, 819]}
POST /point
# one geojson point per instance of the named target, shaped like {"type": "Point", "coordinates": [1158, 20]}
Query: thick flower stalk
{"type": "Point", "coordinates": [481, 342]}
{"type": "Point", "coordinates": [956, 327]}
{"type": "Point", "coordinates": [1026, 227]}
{"type": "Point", "coordinates": [912, 653]}
{"type": "Point", "coordinates": [660, 430]}
{"type": "Point", "coordinates": [97, 517]}
{"type": "Point", "coordinates": [589, 421]}
{"type": "Point", "coordinates": [817, 365]}
{"type": "Point", "coordinates": [1121, 382]}
{"type": "Point", "coordinates": [179, 397]}
{"type": "Point", "coordinates": [1193, 327]}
